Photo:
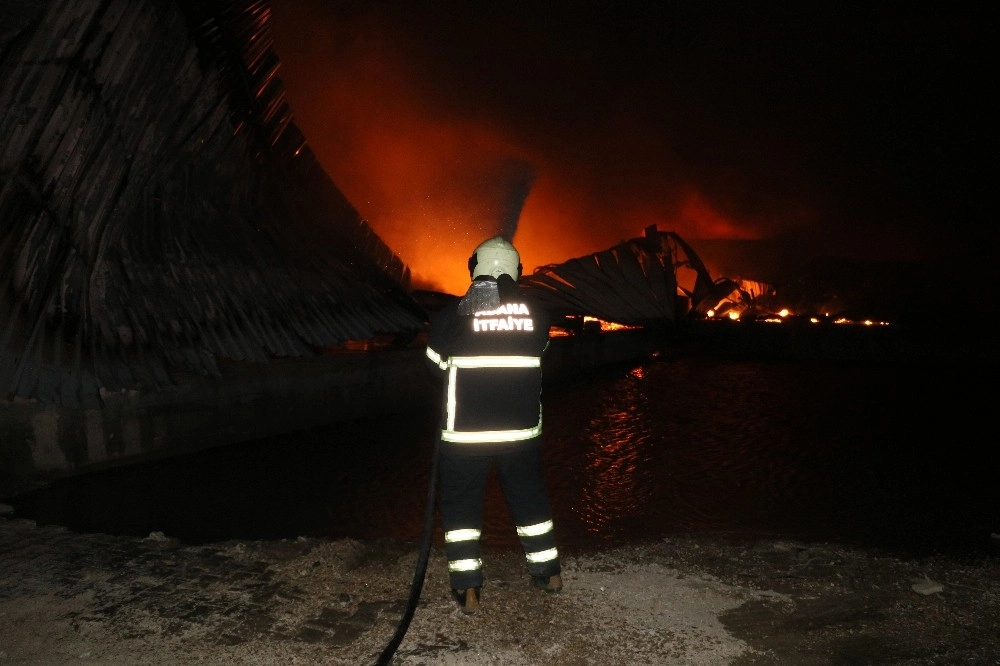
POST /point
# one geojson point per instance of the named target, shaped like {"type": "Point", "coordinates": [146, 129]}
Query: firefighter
{"type": "Point", "coordinates": [488, 346]}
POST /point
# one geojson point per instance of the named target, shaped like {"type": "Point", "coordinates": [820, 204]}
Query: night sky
{"type": "Point", "coordinates": [814, 129]}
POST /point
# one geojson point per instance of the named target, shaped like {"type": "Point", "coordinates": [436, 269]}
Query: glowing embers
{"type": "Point", "coordinates": [574, 325]}
{"type": "Point", "coordinates": [734, 299]}
{"type": "Point", "coordinates": [785, 315]}
{"type": "Point", "coordinates": [607, 325]}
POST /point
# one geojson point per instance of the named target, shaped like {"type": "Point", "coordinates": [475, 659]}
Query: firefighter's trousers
{"type": "Point", "coordinates": [463, 479]}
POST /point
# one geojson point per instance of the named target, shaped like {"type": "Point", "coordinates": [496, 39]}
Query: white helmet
{"type": "Point", "coordinates": [495, 257]}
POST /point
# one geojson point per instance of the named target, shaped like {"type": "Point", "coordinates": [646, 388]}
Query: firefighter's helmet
{"type": "Point", "coordinates": [495, 257]}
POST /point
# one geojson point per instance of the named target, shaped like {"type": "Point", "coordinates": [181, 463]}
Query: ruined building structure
{"type": "Point", "coordinates": [177, 271]}
{"type": "Point", "coordinates": [164, 226]}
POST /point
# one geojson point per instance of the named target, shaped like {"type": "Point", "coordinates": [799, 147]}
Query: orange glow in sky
{"type": "Point", "coordinates": [435, 173]}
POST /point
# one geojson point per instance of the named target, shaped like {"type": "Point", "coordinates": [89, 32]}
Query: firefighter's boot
{"type": "Point", "coordinates": [468, 599]}
{"type": "Point", "coordinates": [550, 584]}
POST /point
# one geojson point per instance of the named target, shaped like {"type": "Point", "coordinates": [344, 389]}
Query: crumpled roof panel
{"type": "Point", "coordinates": [160, 209]}
{"type": "Point", "coordinates": [633, 282]}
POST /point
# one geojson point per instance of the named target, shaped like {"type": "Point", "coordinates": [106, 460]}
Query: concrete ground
{"type": "Point", "coordinates": [67, 598]}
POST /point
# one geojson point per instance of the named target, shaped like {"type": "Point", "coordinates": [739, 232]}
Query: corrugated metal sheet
{"type": "Point", "coordinates": [634, 282]}
{"type": "Point", "coordinates": [160, 209]}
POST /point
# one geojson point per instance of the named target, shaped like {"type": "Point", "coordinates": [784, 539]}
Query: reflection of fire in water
{"type": "Point", "coordinates": [621, 444]}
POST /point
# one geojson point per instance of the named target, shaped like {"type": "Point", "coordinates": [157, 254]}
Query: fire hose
{"type": "Point", "coordinates": [421, 567]}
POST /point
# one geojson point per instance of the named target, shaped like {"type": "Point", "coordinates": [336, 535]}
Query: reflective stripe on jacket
{"type": "Point", "coordinates": [492, 365]}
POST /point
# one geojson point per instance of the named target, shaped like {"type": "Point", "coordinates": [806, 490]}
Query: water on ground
{"type": "Point", "coordinates": [891, 455]}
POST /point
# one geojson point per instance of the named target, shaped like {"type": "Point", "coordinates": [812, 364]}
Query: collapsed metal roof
{"type": "Point", "coordinates": [651, 279]}
{"type": "Point", "coordinates": [161, 210]}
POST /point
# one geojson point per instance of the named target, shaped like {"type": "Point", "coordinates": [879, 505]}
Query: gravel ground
{"type": "Point", "coordinates": [68, 598]}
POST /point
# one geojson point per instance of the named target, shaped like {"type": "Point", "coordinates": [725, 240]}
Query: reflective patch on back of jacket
{"type": "Point", "coordinates": [507, 317]}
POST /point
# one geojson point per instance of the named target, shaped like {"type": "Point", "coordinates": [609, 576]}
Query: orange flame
{"type": "Point", "coordinates": [434, 178]}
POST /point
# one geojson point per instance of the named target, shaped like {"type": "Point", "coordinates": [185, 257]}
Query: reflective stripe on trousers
{"type": "Point", "coordinates": [538, 541]}
{"type": "Point", "coordinates": [463, 542]}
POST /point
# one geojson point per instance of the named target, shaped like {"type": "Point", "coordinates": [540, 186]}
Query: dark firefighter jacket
{"type": "Point", "coordinates": [490, 354]}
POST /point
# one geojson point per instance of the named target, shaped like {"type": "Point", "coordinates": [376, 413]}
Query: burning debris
{"type": "Point", "coordinates": [647, 281]}
{"type": "Point", "coordinates": [658, 279]}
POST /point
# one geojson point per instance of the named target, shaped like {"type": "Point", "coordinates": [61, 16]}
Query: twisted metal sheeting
{"type": "Point", "coordinates": [159, 209]}
{"type": "Point", "coordinates": [634, 282]}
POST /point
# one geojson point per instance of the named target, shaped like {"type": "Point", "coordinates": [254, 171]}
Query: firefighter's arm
{"type": "Point", "coordinates": [438, 347]}
{"type": "Point", "coordinates": [434, 358]}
